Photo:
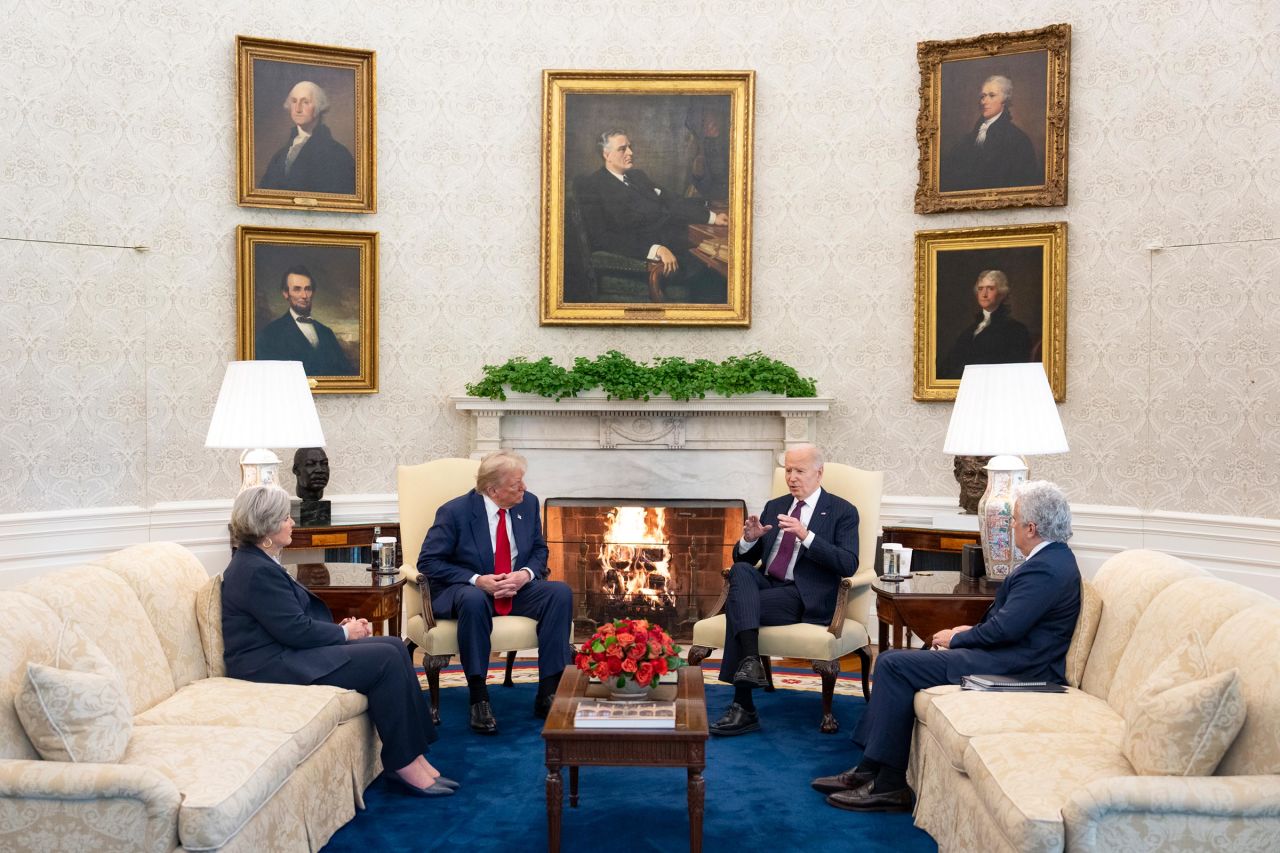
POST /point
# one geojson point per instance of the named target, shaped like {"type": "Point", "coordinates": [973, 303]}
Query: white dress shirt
{"type": "Point", "coordinates": [806, 513]}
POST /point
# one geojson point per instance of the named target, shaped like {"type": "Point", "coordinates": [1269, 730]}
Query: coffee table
{"type": "Point", "coordinates": [684, 746]}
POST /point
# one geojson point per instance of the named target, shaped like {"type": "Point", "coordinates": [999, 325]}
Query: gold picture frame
{"type": "Point", "coordinates": [992, 129]}
{"type": "Point", "coordinates": [1030, 316]}
{"type": "Point", "coordinates": [689, 137]}
{"type": "Point", "coordinates": [275, 267]}
{"type": "Point", "coordinates": [335, 166]}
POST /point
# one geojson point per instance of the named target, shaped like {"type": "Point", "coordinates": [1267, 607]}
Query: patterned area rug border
{"type": "Point", "coordinates": [783, 679]}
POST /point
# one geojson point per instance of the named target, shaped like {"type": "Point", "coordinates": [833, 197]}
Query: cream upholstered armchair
{"type": "Point", "coordinates": [422, 489]}
{"type": "Point", "coordinates": [847, 633]}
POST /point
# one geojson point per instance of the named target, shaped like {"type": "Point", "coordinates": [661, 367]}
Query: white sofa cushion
{"type": "Point", "coordinates": [209, 623]}
{"type": "Point", "coordinates": [1248, 641]}
{"type": "Point", "coordinates": [74, 708]}
{"type": "Point", "coordinates": [954, 716]}
{"type": "Point", "coordinates": [28, 631]}
{"type": "Point", "coordinates": [1185, 717]}
{"type": "Point", "coordinates": [1023, 781]}
{"type": "Point", "coordinates": [1082, 636]}
{"type": "Point", "coordinates": [225, 774]}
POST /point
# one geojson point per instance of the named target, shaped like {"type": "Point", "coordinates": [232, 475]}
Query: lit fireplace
{"type": "Point", "coordinates": [651, 559]}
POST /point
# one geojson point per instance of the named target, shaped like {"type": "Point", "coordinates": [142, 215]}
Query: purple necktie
{"type": "Point", "coordinates": [782, 559]}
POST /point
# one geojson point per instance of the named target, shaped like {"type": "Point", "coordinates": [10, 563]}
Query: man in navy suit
{"type": "Point", "coordinates": [297, 336]}
{"type": "Point", "coordinates": [783, 572]}
{"type": "Point", "coordinates": [1025, 633]}
{"type": "Point", "coordinates": [485, 556]}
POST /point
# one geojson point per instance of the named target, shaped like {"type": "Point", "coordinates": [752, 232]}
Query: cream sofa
{"type": "Point", "coordinates": [211, 763]}
{"type": "Point", "coordinates": [1046, 772]}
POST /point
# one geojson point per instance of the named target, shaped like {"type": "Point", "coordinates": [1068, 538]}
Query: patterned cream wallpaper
{"type": "Point", "coordinates": [119, 129]}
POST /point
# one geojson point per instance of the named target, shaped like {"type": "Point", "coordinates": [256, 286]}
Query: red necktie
{"type": "Point", "coordinates": [782, 559]}
{"type": "Point", "coordinates": [502, 561]}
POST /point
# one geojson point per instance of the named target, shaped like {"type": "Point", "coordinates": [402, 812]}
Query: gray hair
{"type": "Point", "coordinates": [1005, 84]}
{"type": "Point", "coordinates": [998, 278]}
{"type": "Point", "coordinates": [496, 465]}
{"type": "Point", "coordinates": [317, 94]}
{"type": "Point", "coordinates": [1044, 504]}
{"type": "Point", "coordinates": [608, 135]}
{"type": "Point", "coordinates": [258, 512]}
{"type": "Point", "coordinates": [815, 453]}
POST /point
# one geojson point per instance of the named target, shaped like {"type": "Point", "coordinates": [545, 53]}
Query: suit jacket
{"type": "Point", "coordinates": [273, 628]}
{"type": "Point", "coordinates": [1003, 341]}
{"type": "Point", "coordinates": [818, 569]}
{"type": "Point", "coordinates": [323, 165]}
{"type": "Point", "coordinates": [1005, 159]}
{"type": "Point", "coordinates": [627, 220]}
{"type": "Point", "coordinates": [1027, 629]}
{"type": "Point", "coordinates": [457, 545]}
{"type": "Point", "coordinates": [282, 340]}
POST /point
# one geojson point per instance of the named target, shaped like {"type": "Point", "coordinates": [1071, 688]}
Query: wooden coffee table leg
{"type": "Point", "coordinates": [573, 787]}
{"type": "Point", "coordinates": [555, 798]}
{"type": "Point", "coordinates": [697, 794]}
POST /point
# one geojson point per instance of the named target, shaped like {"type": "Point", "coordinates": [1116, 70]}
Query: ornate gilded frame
{"type": "Point", "coordinates": [986, 248]}
{"type": "Point", "coordinates": [258, 69]}
{"type": "Point", "coordinates": [346, 293]}
{"type": "Point", "coordinates": [993, 51]}
{"type": "Point", "coordinates": [558, 89]}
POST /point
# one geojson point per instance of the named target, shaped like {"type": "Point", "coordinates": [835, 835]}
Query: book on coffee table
{"type": "Point", "coordinates": [603, 714]}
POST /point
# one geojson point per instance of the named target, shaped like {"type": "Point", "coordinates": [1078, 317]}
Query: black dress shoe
{"type": "Point", "coordinates": [865, 800]}
{"type": "Point", "coordinates": [750, 673]}
{"type": "Point", "coordinates": [736, 721]}
{"type": "Point", "coordinates": [849, 780]}
{"type": "Point", "coordinates": [435, 789]}
{"type": "Point", "coordinates": [482, 720]}
{"type": "Point", "coordinates": [542, 706]}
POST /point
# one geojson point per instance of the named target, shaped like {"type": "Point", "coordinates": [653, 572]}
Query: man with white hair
{"type": "Point", "coordinates": [994, 336]}
{"type": "Point", "coordinates": [995, 153]}
{"type": "Point", "coordinates": [312, 160]}
{"type": "Point", "coordinates": [1024, 633]}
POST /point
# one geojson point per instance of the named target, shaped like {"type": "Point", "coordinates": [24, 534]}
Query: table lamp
{"type": "Point", "coordinates": [1002, 410]}
{"type": "Point", "coordinates": [264, 404]}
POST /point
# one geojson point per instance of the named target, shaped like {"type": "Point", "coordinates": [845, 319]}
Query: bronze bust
{"type": "Point", "coordinates": [971, 473]}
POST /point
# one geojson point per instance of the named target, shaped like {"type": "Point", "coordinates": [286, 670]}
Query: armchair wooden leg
{"type": "Point", "coordinates": [828, 669]}
{"type": "Point", "coordinates": [433, 664]}
{"type": "Point", "coordinates": [864, 663]}
{"type": "Point", "coordinates": [697, 654]}
{"type": "Point", "coordinates": [511, 663]}
{"type": "Point", "coordinates": [768, 673]}
{"type": "Point", "coordinates": [411, 646]}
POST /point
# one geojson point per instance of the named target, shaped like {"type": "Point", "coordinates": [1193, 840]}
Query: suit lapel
{"type": "Point", "coordinates": [480, 532]}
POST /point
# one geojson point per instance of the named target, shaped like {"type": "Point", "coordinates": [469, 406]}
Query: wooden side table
{"type": "Point", "coordinates": [927, 602]}
{"type": "Point", "coordinates": [342, 535]}
{"type": "Point", "coordinates": [933, 549]}
{"type": "Point", "coordinates": [350, 589]}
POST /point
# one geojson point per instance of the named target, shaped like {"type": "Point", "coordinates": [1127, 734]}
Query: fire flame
{"type": "Point", "coordinates": [635, 558]}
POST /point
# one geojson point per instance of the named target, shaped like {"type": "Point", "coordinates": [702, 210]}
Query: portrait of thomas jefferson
{"type": "Point", "coordinates": [989, 308]}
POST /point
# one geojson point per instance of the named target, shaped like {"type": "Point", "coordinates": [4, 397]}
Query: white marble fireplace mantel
{"type": "Point", "coordinates": [591, 446]}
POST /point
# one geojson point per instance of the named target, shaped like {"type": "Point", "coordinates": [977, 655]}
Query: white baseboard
{"type": "Point", "coordinates": [1240, 549]}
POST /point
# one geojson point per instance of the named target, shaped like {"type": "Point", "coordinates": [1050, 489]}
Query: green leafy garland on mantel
{"type": "Point", "coordinates": [624, 379]}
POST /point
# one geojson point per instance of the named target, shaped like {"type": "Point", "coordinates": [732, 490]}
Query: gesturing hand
{"type": "Point", "coordinates": [753, 529]}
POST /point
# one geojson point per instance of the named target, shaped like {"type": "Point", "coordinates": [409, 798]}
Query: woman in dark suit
{"type": "Point", "coordinates": [275, 630]}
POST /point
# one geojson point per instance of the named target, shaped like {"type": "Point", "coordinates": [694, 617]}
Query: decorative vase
{"type": "Point", "coordinates": [995, 516]}
{"type": "Point", "coordinates": [630, 691]}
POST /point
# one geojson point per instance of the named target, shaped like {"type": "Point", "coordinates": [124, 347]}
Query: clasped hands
{"type": "Point", "coordinates": [942, 639]}
{"type": "Point", "coordinates": [357, 629]}
{"type": "Point", "coordinates": [503, 586]}
{"type": "Point", "coordinates": [753, 529]}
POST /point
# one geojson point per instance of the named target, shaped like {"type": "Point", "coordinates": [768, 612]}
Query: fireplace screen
{"type": "Point", "coordinates": [642, 559]}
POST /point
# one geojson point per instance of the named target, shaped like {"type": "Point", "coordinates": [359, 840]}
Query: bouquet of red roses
{"type": "Point", "coordinates": [629, 648]}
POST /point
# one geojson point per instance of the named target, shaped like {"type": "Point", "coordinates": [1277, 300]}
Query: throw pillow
{"type": "Point", "coordinates": [1184, 718]}
{"type": "Point", "coordinates": [75, 708]}
{"type": "Point", "coordinates": [209, 620]}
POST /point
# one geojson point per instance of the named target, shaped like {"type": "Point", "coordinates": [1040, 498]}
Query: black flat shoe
{"type": "Point", "coordinates": [849, 780]}
{"type": "Point", "coordinates": [447, 782]}
{"type": "Point", "coordinates": [433, 790]}
{"type": "Point", "coordinates": [750, 673]}
{"type": "Point", "coordinates": [736, 721]}
{"type": "Point", "coordinates": [482, 720]}
{"type": "Point", "coordinates": [865, 800]}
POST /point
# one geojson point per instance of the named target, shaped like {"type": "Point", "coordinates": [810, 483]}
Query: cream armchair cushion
{"type": "Point", "coordinates": [1185, 718]}
{"type": "Point", "coordinates": [75, 708]}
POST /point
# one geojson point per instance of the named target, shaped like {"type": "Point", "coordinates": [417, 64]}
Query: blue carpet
{"type": "Point", "coordinates": [758, 794]}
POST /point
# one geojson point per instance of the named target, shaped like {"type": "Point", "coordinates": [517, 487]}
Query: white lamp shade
{"type": "Point", "coordinates": [1004, 409]}
{"type": "Point", "coordinates": [265, 404]}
